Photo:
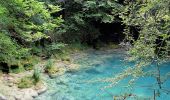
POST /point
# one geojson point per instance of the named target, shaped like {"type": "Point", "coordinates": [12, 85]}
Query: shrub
{"type": "Point", "coordinates": [29, 81]}
{"type": "Point", "coordinates": [10, 53]}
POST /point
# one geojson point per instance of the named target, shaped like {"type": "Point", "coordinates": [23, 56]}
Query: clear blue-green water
{"type": "Point", "coordinates": [76, 86]}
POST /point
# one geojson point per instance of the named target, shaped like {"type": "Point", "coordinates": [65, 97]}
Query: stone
{"type": "Point", "coordinates": [18, 96]}
{"type": "Point", "coordinates": [2, 97]}
{"type": "Point", "coordinates": [27, 97]}
{"type": "Point", "coordinates": [10, 84]}
{"type": "Point", "coordinates": [33, 93]}
{"type": "Point", "coordinates": [42, 90]}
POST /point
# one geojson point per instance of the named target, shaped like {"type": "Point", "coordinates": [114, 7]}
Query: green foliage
{"type": "Point", "coordinates": [80, 16]}
{"type": "Point", "coordinates": [32, 19]}
{"type": "Point", "coordinates": [28, 81]}
{"type": "Point", "coordinates": [103, 10]}
{"type": "Point", "coordinates": [23, 24]}
{"type": "Point", "coordinates": [152, 20]}
{"type": "Point", "coordinates": [54, 48]}
{"type": "Point", "coordinates": [28, 66]}
{"type": "Point", "coordinates": [10, 51]}
{"type": "Point", "coordinates": [29, 62]}
{"type": "Point", "coordinates": [74, 47]}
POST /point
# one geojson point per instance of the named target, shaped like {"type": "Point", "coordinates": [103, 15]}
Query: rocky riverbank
{"type": "Point", "coordinates": [8, 82]}
{"type": "Point", "coordinates": [10, 91]}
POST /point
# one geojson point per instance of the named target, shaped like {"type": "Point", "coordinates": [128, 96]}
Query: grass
{"type": "Point", "coordinates": [16, 69]}
{"type": "Point", "coordinates": [30, 62]}
{"type": "Point", "coordinates": [36, 75]}
{"type": "Point", "coordinates": [26, 82]}
{"type": "Point", "coordinates": [49, 64]}
{"type": "Point", "coordinates": [29, 81]}
{"type": "Point", "coordinates": [28, 66]}
{"type": "Point", "coordinates": [24, 64]}
{"type": "Point", "coordinates": [49, 67]}
{"type": "Point", "coordinates": [64, 54]}
{"type": "Point", "coordinates": [53, 70]}
{"type": "Point", "coordinates": [109, 46]}
{"type": "Point", "coordinates": [75, 47]}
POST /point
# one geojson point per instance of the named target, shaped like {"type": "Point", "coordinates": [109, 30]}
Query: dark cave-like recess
{"type": "Point", "coordinates": [111, 32]}
{"type": "Point", "coordinates": [4, 67]}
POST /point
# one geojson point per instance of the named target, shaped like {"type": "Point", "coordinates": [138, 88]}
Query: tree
{"type": "Point", "coordinates": [81, 15]}
{"type": "Point", "coordinates": [23, 23]}
{"type": "Point", "coordinates": [152, 19]}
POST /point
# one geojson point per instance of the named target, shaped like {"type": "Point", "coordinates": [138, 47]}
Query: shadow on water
{"type": "Point", "coordinates": [92, 71]}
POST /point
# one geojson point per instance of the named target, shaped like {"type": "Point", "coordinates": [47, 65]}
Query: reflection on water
{"type": "Point", "coordinates": [75, 86]}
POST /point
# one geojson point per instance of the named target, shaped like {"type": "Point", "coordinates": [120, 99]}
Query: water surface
{"type": "Point", "coordinates": [76, 86]}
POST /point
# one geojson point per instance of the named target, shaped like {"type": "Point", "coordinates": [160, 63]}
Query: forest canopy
{"type": "Point", "coordinates": [23, 24]}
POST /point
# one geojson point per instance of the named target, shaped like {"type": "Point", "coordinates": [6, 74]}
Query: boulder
{"type": "Point", "coordinates": [42, 90]}
{"type": "Point", "coordinates": [2, 97]}
{"type": "Point", "coordinates": [32, 93]}
{"type": "Point", "coordinates": [18, 96]}
{"type": "Point", "coordinates": [10, 84]}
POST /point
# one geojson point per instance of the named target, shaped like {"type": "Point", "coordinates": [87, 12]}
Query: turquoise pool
{"type": "Point", "coordinates": [76, 86]}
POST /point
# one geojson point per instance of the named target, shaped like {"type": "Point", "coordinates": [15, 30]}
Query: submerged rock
{"type": "Point", "coordinates": [72, 67]}
{"type": "Point", "coordinates": [93, 71]}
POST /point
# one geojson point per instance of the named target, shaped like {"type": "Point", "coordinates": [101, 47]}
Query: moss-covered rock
{"type": "Point", "coordinates": [60, 71]}
{"type": "Point", "coordinates": [26, 82]}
